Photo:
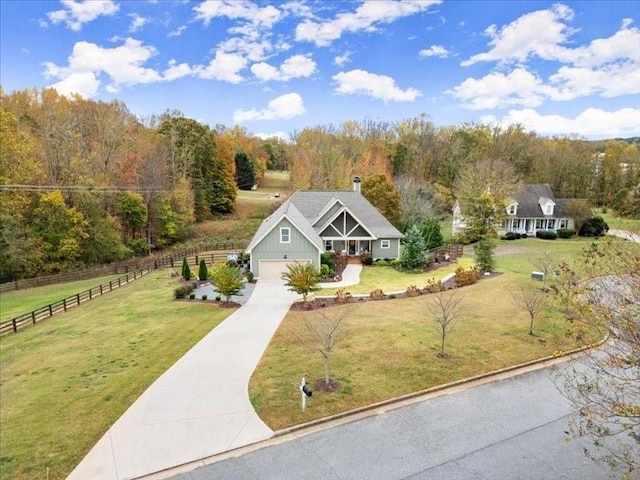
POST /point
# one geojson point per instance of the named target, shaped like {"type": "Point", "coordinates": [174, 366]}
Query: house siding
{"type": "Point", "coordinates": [270, 248]}
{"type": "Point", "coordinates": [330, 213]}
{"type": "Point", "coordinates": [392, 252]}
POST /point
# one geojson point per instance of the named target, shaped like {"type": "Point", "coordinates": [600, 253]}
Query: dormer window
{"type": "Point", "coordinates": [512, 209]}
{"type": "Point", "coordinates": [546, 204]}
{"type": "Point", "coordinates": [548, 209]}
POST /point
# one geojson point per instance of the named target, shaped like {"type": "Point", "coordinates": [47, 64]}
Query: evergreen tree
{"type": "Point", "coordinates": [203, 273]}
{"type": "Point", "coordinates": [484, 253]}
{"type": "Point", "coordinates": [430, 230]}
{"type": "Point", "coordinates": [245, 177]}
{"type": "Point", "coordinates": [186, 271]}
{"type": "Point", "coordinates": [413, 251]}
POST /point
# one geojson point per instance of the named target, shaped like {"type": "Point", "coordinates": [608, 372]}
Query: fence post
{"type": "Point", "coordinates": [33, 317]}
{"type": "Point", "coordinates": [64, 305]}
{"type": "Point", "coordinates": [90, 290]}
{"type": "Point", "coordinates": [15, 325]}
{"type": "Point", "coordinates": [100, 289]}
{"type": "Point", "coordinates": [110, 285]}
{"type": "Point", "coordinates": [119, 281]}
{"type": "Point", "coordinates": [50, 310]}
{"type": "Point", "coordinates": [78, 298]}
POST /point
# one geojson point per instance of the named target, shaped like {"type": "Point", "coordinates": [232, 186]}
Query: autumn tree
{"type": "Point", "coordinates": [417, 202]}
{"type": "Point", "coordinates": [484, 250]}
{"type": "Point", "coordinates": [383, 195]}
{"type": "Point", "coordinates": [579, 210]}
{"type": "Point", "coordinates": [302, 278]}
{"type": "Point", "coordinates": [133, 213]}
{"type": "Point", "coordinates": [228, 280]}
{"type": "Point", "coordinates": [604, 387]}
{"type": "Point", "coordinates": [59, 232]}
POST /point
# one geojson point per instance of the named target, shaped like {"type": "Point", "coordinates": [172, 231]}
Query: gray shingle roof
{"type": "Point", "coordinates": [304, 207]}
{"type": "Point", "coordinates": [529, 197]}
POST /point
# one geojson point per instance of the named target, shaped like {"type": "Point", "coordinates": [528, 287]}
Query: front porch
{"type": "Point", "coordinates": [531, 225]}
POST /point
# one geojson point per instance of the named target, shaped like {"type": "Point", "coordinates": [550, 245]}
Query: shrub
{"type": "Point", "coordinates": [249, 276]}
{"type": "Point", "coordinates": [340, 260]}
{"type": "Point", "coordinates": [594, 227]}
{"type": "Point", "coordinates": [367, 260]}
{"type": "Point", "coordinates": [518, 236]}
{"type": "Point", "coordinates": [381, 262]}
{"type": "Point", "coordinates": [546, 234]}
{"type": "Point", "coordinates": [509, 236]}
{"type": "Point", "coordinates": [343, 296]}
{"type": "Point", "coordinates": [184, 290]}
{"type": "Point", "coordinates": [433, 286]}
{"type": "Point", "coordinates": [324, 269]}
{"type": "Point", "coordinates": [328, 259]}
{"type": "Point", "coordinates": [204, 297]}
{"type": "Point", "coordinates": [395, 263]}
{"type": "Point", "coordinates": [186, 271]}
{"type": "Point", "coordinates": [377, 294]}
{"type": "Point", "coordinates": [412, 291]}
{"type": "Point", "coordinates": [467, 276]}
{"type": "Point", "coordinates": [192, 296]}
{"type": "Point", "coordinates": [524, 235]}
{"type": "Point", "coordinates": [218, 297]}
{"type": "Point", "coordinates": [566, 233]}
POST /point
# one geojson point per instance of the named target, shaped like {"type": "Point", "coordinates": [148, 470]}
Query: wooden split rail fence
{"type": "Point", "coordinates": [174, 260]}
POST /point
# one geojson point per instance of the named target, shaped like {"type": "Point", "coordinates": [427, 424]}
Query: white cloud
{"type": "Point", "coordinates": [342, 60]}
{"type": "Point", "coordinates": [609, 81]}
{"type": "Point", "coordinates": [365, 18]}
{"type": "Point", "coordinates": [225, 66]}
{"type": "Point", "coordinates": [496, 90]}
{"type": "Point", "coordinates": [176, 71]}
{"type": "Point", "coordinates": [285, 137]}
{"type": "Point", "coordinates": [137, 22]}
{"type": "Point", "coordinates": [540, 33]}
{"type": "Point", "coordinates": [293, 67]}
{"type": "Point", "coordinates": [123, 64]}
{"type": "Point", "coordinates": [285, 107]}
{"type": "Point", "coordinates": [434, 51]}
{"type": "Point", "coordinates": [78, 12]}
{"type": "Point", "coordinates": [260, 16]}
{"type": "Point", "coordinates": [85, 84]}
{"type": "Point", "coordinates": [177, 32]}
{"type": "Point", "coordinates": [592, 122]}
{"type": "Point", "coordinates": [373, 85]}
{"type": "Point", "coordinates": [253, 50]}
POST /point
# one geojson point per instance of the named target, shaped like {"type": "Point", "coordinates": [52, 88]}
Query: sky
{"type": "Point", "coordinates": [557, 68]}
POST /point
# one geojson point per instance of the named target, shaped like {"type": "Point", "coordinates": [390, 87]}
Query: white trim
{"type": "Point", "coordinates": [288, 234]}
{"type": "Point", "coordinates": [326, 209]}
{"type": "Point", "coordinates": [344, 209]}
{"type": "Point", "coordinates": [382, 243]}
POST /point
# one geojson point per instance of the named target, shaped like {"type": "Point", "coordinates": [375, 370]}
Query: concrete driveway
{"type": "Point", "coordinates": [200, 406]}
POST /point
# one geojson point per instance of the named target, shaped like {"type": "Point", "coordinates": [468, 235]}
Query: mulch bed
{"type": "Point", "coordinates": [328, 387]}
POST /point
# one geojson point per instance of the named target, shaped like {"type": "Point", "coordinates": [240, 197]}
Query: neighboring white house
{"type": "Point", "coordinates": [534, 208]}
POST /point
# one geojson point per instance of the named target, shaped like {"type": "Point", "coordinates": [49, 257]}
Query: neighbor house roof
{"type": "Point", "coordinates": [304, 208]}
{"type": "Point", "coordinates": [530, 198]}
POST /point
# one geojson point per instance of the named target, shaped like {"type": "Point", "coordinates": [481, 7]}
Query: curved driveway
{"type": "Point", "coordinates": [200, 406]}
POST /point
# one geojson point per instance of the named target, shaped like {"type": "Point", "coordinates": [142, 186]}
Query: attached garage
{"type": "Point", "coordinates": [273, 269]}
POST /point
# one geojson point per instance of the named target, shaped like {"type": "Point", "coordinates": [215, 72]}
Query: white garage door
{"type": "Point", "coordinates": [273, 269]}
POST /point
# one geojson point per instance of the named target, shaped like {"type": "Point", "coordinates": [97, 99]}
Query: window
{"type": "Point", "coordinates": [516, 224]}
{"type": "Point", "coordinates": [512, 209]}
{"type": "Point", "coordinates": [385, 243]}
{"type": "Point", "coordinates": [328, 245]}
{"type": "Point", "coordinates": [285, 235]}
{"type": "Point", "coordinates": [551, 223]}
{"type": "Point", "coordinates": [563, 223]}
{"type": "Point", "coordinates": [548, 209]}
{"type": "Point", "coordinates": [538, 223]}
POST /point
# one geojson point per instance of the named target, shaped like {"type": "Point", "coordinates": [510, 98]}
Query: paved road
{"type": "Point", "coordinates": [510, 429]}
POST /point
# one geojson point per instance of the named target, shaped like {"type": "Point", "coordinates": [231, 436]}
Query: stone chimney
{"type": "Point", "coordinates": [356, 184]}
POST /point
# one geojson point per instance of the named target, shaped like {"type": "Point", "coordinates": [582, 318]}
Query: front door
{"type": "Point", "coordinates": [352, 247]}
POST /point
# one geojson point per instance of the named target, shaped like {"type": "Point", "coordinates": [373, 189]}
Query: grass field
{"type": "Point", "coordinates": [620, 223]}
{"type": "Point", "coordinates": [390, 346]}
{"type": "Point", "coordinates": [17, 302]}
{"type": "Point", "coordinates": [67, 379]}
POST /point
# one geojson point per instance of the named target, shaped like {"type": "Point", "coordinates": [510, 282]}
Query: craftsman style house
{"type": "Point", "coordinates": [312, 222]}
{"type": "Point", "coordinates": [534, 208]}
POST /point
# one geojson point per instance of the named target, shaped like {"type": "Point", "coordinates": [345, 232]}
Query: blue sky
{"type": "Point", "coordinates": [560, 68]}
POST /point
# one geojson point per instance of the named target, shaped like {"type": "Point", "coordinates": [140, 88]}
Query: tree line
{"type": "Point", "coordinates": [86, 182]}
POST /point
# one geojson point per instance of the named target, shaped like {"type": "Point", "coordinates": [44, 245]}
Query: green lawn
{"type": "Point", "coordinates": [66, 380]}
{"type": "Point", "coordinates": [18, 302]}
{"type": "Point", "coordinates": [389, 279]}
{"type": "Point", "coordinates": [390, 346]}
{"type": "Point", "coordinates": [619, 223]}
